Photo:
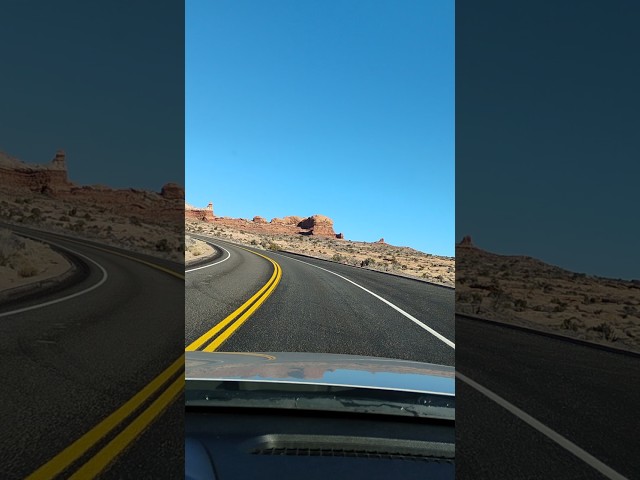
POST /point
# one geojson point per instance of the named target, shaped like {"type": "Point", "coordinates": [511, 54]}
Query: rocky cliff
{"type": "Point", "coordinates": [18, 178]}
{"type": "Point", "coordinates": [203, 214]}
{"type": "Point", "coordinates": [319, 225]}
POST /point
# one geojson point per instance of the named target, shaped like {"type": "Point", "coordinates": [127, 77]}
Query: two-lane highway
{"type": "Point", "coordinates": [92, 374]}
{"type": "Point", "coordinates": [534, 406]}
{"type": "Point", "coordinates": [311, 305]}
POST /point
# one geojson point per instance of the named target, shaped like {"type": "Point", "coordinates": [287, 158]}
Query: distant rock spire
{"type": "Point", "coordinates": [466, 240]}
{"type": "Point", "coordinates": [59, 161]}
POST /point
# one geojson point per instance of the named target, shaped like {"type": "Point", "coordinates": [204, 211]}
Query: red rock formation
{"type": "Point", "coordinates": [381, 241]}
{"type": "Point", "coordinates": [466, 240]}
{"type": "Point", "coordinates": [59, 161]}
{"type": "Point", "coordinates": [340, 236]}
{"type": "Point", "coordinates": [172, 191]}
{"type": "Point", "coordinates": [17, 177]}
{"type": "Point", "coordinates": [292, 220]}
{"type": "Point", "coordinates": [318, 225]}
{"type": "Point", "coordinates": [291, 225]}
{"type": "Point", "coordinates": [202, 214]}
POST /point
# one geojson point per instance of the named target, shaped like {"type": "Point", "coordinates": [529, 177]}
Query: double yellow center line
{"type": "Point", "coordinates": [211, 340]}
{"type": "Point", "coordinates": [116, 432]}
{"type": "Point", "coordinates": [172, 378]}
{"type": "Point", "coordinates": [94, 451]}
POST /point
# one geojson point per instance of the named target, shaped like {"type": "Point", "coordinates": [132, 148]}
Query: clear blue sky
{"type": "Point", "coordinates": [101, 80]}
{"type": "Point", "coordinates": [547, 127]}
{"type": "Point", "coordinates": [344, 109]}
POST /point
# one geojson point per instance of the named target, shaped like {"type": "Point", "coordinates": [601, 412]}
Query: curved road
{"type": "Point", "coordinates": [76, 371]}
{"type": "Point", "coordinates": [315, 306]}
{"type": "Point", "coordinates": [579, 403]}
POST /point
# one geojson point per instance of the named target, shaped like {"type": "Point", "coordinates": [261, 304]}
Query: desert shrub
{"type": "Point", "coordinates": [163, 245]}
{"type": "Point", "coordinates": [9, 245]}
{"type": "Point", "coordinates": [520, 304]}
{"type": "Point", "coordinates": [26, 269]}
{"type": "Point", "coordinates": [570, 324]}
{"type": "Point", "coordinates": [254, 242]}
{"type": "Point", "coordinates": [78, 226]}
{"type": "Point", "coordinates": [500, 300]}
{"type": "Point", "coordinates": [337, 257]}
{"type": "Point", "coordinates": [608, 331]}
{"type": "Point", "coordinates": [463, 297]}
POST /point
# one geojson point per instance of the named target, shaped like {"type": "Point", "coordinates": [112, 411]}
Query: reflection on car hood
{"type": "Point", "coordinates": [322, 369]}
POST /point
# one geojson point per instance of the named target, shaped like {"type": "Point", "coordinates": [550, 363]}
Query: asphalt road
{"type": "Point", "coordinates": [587, 395]}
{"type": "Point", "coordinates": [313, 310]}
{"type": "Point", "coordinates": [68, 366]}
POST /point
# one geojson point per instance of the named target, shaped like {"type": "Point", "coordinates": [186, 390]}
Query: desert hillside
{"type": "Point", "coordinates": [529, 292]}
{"type": "Point", "coordinates": [195, 249]}
{"type": "Point", "coordinates": [41, 196]}
{"type": "Point", "coordinates": [314, 236]}
{"type": "Point", "coordinates": [24, 261]}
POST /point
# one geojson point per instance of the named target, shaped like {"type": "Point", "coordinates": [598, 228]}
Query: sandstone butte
{"type": "Point", "coordinates": [203, 214]}
{"type": "Point", "coordinates": [318, 225]}
{"type": "Point", "coordinates": [51, 180]}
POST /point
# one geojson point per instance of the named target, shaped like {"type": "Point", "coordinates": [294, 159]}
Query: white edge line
{"type": "Point", "coordinates": [409, 316]}
{"type": "Point", "coordinates": [546, 431]}
{"type": "Point", "coordinates": [68, 297]}
{"type": "Point", "coordinates": [211, 264]}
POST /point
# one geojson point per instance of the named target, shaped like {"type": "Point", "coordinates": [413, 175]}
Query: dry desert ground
{"type": "Point", "coordinates": [528, 292]}
{"type": "Point", "coordinates": [383, 257]}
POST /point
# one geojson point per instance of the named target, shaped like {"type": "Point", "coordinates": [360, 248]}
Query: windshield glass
{"type": "Point", "coordinates": [320, 205]}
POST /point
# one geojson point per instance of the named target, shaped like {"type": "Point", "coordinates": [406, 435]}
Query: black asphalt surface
{"type": "Point", "coordinates": [67, 366]}
{"type": "Point", "coordinates": [315, 311]}
{"type": "Point", "coordinates": [585, 394]}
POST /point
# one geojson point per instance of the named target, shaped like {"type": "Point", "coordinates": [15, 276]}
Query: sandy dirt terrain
{"type": "Point", "coordinates": [195, 250]}
{"type": "Point", "coordinates": [94, 222]}
{"type": "Point", "coordinates": [526, 291]}
{"type": "Point", "coordinates": [41, 196]}
{"type": "Point", "coordinates": [24, 261]}
{"type": "Point", "coordinates": [403, 261]}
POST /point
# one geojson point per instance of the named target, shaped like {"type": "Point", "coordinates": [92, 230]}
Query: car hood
{"type": "Point", "coordinates": [322, 369]}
